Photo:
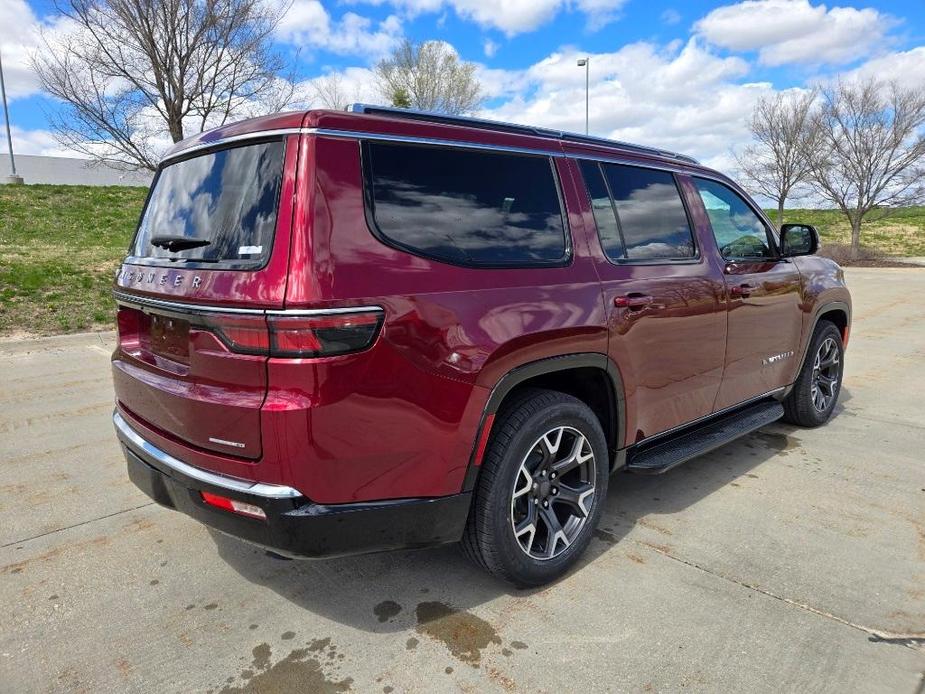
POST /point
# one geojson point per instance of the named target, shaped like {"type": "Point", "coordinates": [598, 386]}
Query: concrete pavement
{"type": "Point", "coordinates": [791, 560]}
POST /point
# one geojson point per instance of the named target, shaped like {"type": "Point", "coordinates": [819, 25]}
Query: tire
{"type": "Point", "coordinates": [524, 453]}
{"type": "Point", "coordinates": [812, 400]}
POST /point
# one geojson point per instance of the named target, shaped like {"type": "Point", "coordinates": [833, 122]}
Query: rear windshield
{"type": "Point", "coordinates": [215, 209]}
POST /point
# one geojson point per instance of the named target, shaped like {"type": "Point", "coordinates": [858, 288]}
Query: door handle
{"type": "Point", "coordinates": [744, 289]}
{"type": "Point", "coordinates": [633, 300]}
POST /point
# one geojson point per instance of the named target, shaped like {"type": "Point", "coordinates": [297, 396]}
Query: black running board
{"type": "Point", "coordinates": [661, 456]}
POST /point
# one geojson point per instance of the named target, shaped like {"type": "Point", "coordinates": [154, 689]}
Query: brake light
{"type": "Point", "coordinates": [240, 507]}
{"type": "Point", "coordinates": [298, 336]}
{"type": "Point", "coordinates": [323, 336]}
{"type": "Point", "coordinates": [243, 334]}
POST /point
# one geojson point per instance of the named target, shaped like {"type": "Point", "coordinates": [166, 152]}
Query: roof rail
{"type": "Point", "coordinates": [485, 123]}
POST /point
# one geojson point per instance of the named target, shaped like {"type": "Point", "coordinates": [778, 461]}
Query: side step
{"type": "Point", "coordinates": [661, 456]}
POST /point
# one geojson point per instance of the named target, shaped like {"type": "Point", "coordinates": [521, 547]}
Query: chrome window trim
{"type": "Point", "coordinates": [231, 139]}
{"type": "Point", "coordinates": [672, 167]}
{"type": "Point", "coordinates": [433, 141]}
{"type": "Point", "coordinates": [411, 139]}
{"type": "Point", "coordinates": [181, 307]}
{"type": "Point", "coordinates": [133, 440]}
{"type": "Point", "coordinates": [683, 168]}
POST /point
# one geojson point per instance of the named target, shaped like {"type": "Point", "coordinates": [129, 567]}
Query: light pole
{"type": "Point", "coordinates": [586, 64]}
{"type": "Point", "coordinates": [12, 178]}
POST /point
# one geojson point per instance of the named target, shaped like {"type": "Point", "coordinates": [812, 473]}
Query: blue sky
{"type": "Point", "coordinates": [671, 73]}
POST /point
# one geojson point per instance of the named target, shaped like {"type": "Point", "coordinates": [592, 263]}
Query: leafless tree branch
{"type": "Point", "coordinates": [137, 74]}
{"type": "Point", "coordinates": [777, 164]}
{"type": "Point", "coordinates": [872, 150]}
{"type": "Point", "coordinates": [429, 76]}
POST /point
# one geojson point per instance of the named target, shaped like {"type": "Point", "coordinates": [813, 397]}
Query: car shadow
{"type": "Point", "coordinates": [379, 592]}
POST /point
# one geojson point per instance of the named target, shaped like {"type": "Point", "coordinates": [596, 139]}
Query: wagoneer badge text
{"type": "Point", "coordinates": [152, 277]}
{"type": "Point", "coordinates": [776, 358]}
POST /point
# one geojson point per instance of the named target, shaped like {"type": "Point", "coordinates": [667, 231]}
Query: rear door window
{"type": "Point", "coordinates": [466, 207]}
{"type": "Point", "coordinates": [602, 207]}
{"type": "Point", "coordinates": [217, 209]}
{"type": "Point", "coordinates": [650, 213]}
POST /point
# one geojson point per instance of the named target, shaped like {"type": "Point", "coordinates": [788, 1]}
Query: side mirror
{"type": "Point", "coordinates": [798, 239]}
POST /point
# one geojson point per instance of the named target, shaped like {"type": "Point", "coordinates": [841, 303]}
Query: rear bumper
{"type": "Point", "coordinates": [294, 526]}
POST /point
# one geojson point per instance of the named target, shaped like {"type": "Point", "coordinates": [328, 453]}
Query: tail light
{"type": "Point", "coordinates": [298, 336]}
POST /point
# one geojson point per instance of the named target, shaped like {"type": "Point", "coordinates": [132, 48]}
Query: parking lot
{"type": "Point", "coordinates": [790, 560]}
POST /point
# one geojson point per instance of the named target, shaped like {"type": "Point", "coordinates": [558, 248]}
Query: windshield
{"type": "Point", "coordinates": [217, 208]}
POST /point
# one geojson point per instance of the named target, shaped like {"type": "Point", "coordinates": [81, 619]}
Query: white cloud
{"type": "Point", "coordinates": [308, 24]}
{"type": "Point", "coordinates": [795, 31]}
{"type": "Point", "coordinates": [18, 38]}
{"type": "Point", "coordinates": [635, 96]}
{"type": "Point", "coordinates": [490, 48]}
{"type": "Point", "coordinates": [37, 141]}
{"type": "Point", "coordinates": [511, 16]}
{"type": "Point", "coordinates": [671, 16]}
{"type": "Point", "coordinates": [906, 68]}
{"type": "Point", "coordinates": [600, 12]}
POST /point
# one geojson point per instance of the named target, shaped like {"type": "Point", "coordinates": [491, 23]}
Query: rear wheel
{"type": "Point", "coordinates": [541, 489]}
{"type": "Point", "coordinates": [813, 398]}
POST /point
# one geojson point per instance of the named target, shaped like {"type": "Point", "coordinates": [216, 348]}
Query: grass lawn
{"type": "Point", "coordinates": [60, 247]}
{"type": "Point", "coordinates": [59, 250]}
{"type": "Point", "coordinates": [902, 233]}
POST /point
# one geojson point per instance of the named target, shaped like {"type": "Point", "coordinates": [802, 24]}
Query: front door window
{"type": "Point", "coordinates": [740, 233]}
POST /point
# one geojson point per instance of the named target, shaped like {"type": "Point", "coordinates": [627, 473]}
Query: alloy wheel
{"type": "Point", "coordinates": [826, 369]}
{"type": "Point", "coordinates": [553, 493]}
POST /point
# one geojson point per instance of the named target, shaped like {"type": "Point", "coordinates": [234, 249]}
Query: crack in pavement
{"type": "Point", "coordinates": [75, 525]}
{"type": "Point", "coordinates": [916, 642]}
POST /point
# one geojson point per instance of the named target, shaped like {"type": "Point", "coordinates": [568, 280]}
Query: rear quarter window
{"type": "Point", "coordinates": [466, 207]}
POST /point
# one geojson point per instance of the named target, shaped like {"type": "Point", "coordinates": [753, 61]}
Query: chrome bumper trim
{"type": "Point", "coordinates": [137, 300]}
{"type": "Point", "coordinates": [131, 438]}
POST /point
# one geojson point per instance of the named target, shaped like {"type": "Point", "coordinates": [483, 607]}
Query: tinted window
{"type": "Point", "coordinates": [226, 199]}
{"type": "Point", "coordinates": [466, 207]}
{"type": "Point", "coordinates": [602, 206]}
{"type": "Point", "coordinates": [739, 232]}
{"type": "Point", "coordinates": [650, 213]}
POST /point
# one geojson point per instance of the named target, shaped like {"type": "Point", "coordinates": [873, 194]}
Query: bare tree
{"type": "Point", "coordinates": [872, 155]}
{"type": "Point", "coordinates": [329, 91]}
{"type": "Point", "coordinates": [135, 75]}
{"type": "Point", "coordinates": [429, 76]}
{"type": "Point", "coordinates": [778, 161]}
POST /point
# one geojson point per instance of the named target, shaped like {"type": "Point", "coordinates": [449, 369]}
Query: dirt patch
{"type": "Point", "coordinates": [386, 610]}
{"type": "Point", "coordinates": [297, 672]}
{"type": "Point", "coordinates": [464, 634]}
{"type": "Point", "coordinates": [781, 443]}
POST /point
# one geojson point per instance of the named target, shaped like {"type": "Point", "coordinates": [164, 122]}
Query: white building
{"type": "Point", "coordinates": [69, 171]}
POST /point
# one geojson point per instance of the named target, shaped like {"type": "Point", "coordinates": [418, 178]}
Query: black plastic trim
{"type": "Point", "coordinates": [519, 374]}
{"type": "Point", "coordinates": [817, 314]}
{"type": "Point", "coordinates": [303, 529]}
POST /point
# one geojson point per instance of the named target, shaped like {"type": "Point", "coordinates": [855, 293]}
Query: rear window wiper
{"type": "Point", "coordinates": [178, 243]}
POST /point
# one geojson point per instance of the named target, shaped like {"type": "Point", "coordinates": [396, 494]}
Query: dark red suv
{"type": "Point", "coordinates": [352, 331]}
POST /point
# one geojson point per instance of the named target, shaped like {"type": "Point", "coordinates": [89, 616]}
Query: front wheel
{"type": "Point", "coordinates": [813, 398]}
{"type": "Point", "coordinates": [541, 489]}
